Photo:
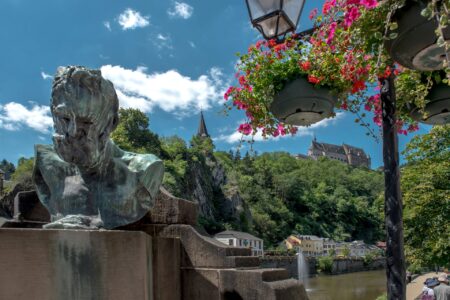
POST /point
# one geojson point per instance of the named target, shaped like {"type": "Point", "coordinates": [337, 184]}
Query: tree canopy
{"type": "Point", "coordinates": [426, 196]}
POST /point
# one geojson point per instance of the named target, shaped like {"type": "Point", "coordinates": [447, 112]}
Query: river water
{"type": "Point", "coordinates": [353, 286]}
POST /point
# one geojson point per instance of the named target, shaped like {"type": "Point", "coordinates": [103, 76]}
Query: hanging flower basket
{"type": "Point", "coordinates": [437, 109]}
{"type": "Point", "coordinates": [299, 103]}
{"type": "Point", "coordinates": [415, 44]}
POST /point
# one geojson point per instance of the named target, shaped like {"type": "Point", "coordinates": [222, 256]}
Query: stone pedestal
{"type": "Point", "coordinates": [75, 265]}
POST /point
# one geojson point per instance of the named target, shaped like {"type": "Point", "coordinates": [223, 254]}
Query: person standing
{"type": "Point", "coordinates": [442, 291]}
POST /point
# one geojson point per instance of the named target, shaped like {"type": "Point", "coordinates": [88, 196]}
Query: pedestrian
{"type": "Point", "coordinates": [427, 291]}
{"type": "Point", "coordinates": [442, 291]}
{"type": "Point", "coordinates": [408, 276]}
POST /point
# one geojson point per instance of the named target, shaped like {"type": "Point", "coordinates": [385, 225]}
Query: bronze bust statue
{"type": "Point", "coordinates": [84, 179]}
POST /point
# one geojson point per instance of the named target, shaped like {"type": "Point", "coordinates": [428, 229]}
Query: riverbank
{"type": "Point", "coordinates": [340, 266]}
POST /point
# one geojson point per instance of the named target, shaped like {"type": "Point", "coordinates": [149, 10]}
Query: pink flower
{"type": "Point", "coordinates": [367, 107]}
{"type": "Point", "coordinates": [281, 129]}
{"type": "Point", "coordinates": [331, 32]}
{"type": "Point", "coordinates": [313, 13]}
{"type": "Point", "coordinates": [369, 4]}
{"type": "Point", "coordinates": [351, 16]}
{"type": "Point", "coordinates": [228, 92]}
{"type": "Point", "coordinates": [276, 133]}
{"type": "Point", "coordinates": [327, 6]}
{"type": "Point", "coordinates": [245, 129]}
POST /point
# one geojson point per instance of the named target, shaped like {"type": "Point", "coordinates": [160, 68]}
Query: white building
{"type": "Point", "coordinates": [241, 239]}
{"type": "Point", "coordinates": [361, 249]}
{"type": "Point", "coordinates": [329, 246]}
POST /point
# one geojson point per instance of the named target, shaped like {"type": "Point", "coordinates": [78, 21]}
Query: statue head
{"type": "Point", "coordinates": [85, 108]}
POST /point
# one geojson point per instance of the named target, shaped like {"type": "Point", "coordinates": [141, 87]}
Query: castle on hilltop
{"type": "Point", "coordinates": [350, 155]}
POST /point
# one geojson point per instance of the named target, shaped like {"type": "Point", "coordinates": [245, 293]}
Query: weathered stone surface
{"type": "Point", "coordinates": [232, 284]}
{"type": "Point", "coordinates": [166, 269]}
{"type": "Point", "coordinates": [172, 210]}
{"type": "Point", "coordinates": [84, 173]}
{"type": "Point", "coordinates": [75, 265]}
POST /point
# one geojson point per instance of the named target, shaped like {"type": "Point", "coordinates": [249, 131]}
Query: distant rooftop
{"type": "Point", "coordinates": [236, 234]}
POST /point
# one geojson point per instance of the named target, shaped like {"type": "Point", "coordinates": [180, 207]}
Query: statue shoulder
{"type": "Point", "coordinates": [148, 167]}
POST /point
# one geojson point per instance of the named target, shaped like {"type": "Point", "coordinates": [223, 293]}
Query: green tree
{"type": "Point", "coordinates": [8, 168]}
{"type": "Point", "coordinates": [24, 172]}
{"type": "Point", "coordinates": [426, 195]}
{"type": "Point", "coordinates": [346, 252]}
{"type": "Point", "coordinates": [133, 134]}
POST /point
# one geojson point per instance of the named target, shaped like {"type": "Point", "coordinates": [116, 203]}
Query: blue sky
{"type": "Point", "coordinates": [168, 58]}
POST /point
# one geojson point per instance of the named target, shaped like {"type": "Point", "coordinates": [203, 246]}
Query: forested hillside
{"type": "Point", "coordinates": [325, 198]}
{"type": "Point", "coordinates": [270, 195]}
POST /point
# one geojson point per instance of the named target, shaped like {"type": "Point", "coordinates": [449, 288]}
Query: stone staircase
{"type": "Point", "coordinates": [185, 264]}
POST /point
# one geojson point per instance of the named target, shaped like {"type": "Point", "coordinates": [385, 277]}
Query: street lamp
{"type": "Point", "coordinates": [274, 18]}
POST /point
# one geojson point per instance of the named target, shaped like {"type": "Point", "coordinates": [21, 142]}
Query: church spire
{"type": "Point", "coordinates": [202, 131]}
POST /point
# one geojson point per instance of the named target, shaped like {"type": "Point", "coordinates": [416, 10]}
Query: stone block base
{"type": "Point", "coordinates": [73, 265]}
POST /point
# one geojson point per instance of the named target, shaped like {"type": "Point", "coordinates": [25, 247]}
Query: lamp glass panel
{"type": "Point", "coordinates": [293, 9]}
{"type": "Point", "coordinates": [259, 8]}
{"type": "Point", "coordinates": [269, 26]}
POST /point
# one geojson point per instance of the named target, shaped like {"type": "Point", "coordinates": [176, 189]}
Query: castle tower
{"type": "Point", "coordinates": [202, 131]}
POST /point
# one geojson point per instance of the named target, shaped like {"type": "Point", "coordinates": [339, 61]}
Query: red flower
{"type": "Point", "coordinates": [242, 80]}
{"type": "Point", "coordinates": [272, 43]}
{"type": "Point", "coordinates": [313, 79]}
{"type": "Point", "coordinates": [306, 65]}
{"type": "Point", "coordinates": [358, 85]}
{"type": "Point", "coordinates": [344, 106]}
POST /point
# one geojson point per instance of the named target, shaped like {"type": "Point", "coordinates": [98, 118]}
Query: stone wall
{"type": "Point", "coordinates": [340, 266]}
{"type": "Point", "coordinates": [289, 263]}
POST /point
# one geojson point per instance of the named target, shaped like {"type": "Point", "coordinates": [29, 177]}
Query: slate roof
{"type": "Point", "coordinates": [236, 234]}
{"type": "Point", "coordinates": [354, 150]}
{"type": "Point", "coordinates": [202, 130]}
{"type": "Point", "coordinates": [328, 147]}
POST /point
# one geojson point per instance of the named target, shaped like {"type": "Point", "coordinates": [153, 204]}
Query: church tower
{"type": "Point", "coordinates": [202, 131]}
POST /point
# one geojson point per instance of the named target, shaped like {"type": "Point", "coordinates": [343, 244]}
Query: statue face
{"type": "Point", "coordinates": [84, 108]}
{"type": "Point", "coordinates": [81, 131]}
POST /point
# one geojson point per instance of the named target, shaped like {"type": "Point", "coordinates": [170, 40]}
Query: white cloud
{"type": "Point", "coordinates": [107, 25]}
{"type": "Point", "coordinates": [236, 136]}
{"type": "Point", "coordinates": [131, 19]}
{"type": "Point", "coordinates": [14, 116]}
{"type": "Point", "coordinates": [170, 91]}
{"type": "Point", "coordinates": [181, 10]}
{"type": "Point", "coordinates": [46, 76]}
{"type": "Point", "coordinates": [163, 41]}
{"type": "Point", "coordinates": [191, 43]}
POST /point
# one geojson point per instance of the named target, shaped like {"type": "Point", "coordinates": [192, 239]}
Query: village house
{"type": "Point", "coordinates": [241, 239]}
{"type": "Point", "coordinates": [309, 245]}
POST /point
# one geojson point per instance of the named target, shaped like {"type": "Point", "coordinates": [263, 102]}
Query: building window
{"type": "Point", "coordinates": [230, 242]}
{"type": "Point", "coordinates": [240, 242]}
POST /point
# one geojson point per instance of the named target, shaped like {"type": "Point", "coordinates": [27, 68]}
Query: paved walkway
{"type": "Point", "coordinates": [414, 288]}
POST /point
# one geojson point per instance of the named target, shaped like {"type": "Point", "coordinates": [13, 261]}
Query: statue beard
{"type": "Point", "coordinates": [81, 151]}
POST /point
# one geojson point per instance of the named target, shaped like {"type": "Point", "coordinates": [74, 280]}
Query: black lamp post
{"type": "Point", "coordinates": [274, 18]}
